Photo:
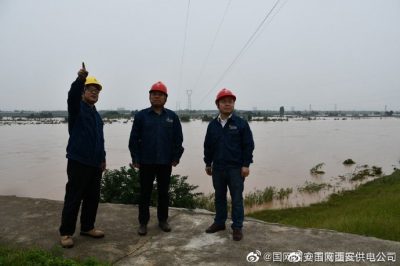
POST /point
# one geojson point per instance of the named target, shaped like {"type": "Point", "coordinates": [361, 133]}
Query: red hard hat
{"type": "Point", "coordinates": [224, 93]}
{"type": "Point", "coordinates": [159, 86]}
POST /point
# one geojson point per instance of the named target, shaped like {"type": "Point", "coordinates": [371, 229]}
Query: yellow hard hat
{"type": "Point", "coordinates": [90, 80]}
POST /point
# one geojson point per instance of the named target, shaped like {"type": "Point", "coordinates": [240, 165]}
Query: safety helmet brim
{"type": "Point", "coordinates": [93, 81]}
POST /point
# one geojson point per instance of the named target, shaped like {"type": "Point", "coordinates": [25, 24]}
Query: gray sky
{"type": "Point", "coordinates": [343, 52]}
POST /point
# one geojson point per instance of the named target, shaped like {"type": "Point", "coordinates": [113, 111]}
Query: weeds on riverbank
{"type": "Point", "coordinates": [122, 186]}
{"type": "Point", "coordinates": [250, 199]}
{"type": "Point", "coordinates": [259, 197]}
{"type": "Point", "coordinates": [206, 202]}
{"type": "Point", "coordinates": [357, 211]}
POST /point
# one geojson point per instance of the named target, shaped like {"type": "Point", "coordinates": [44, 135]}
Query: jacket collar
{"type": "Point", "coordinates": [220, 119]}
{"type": "Point", "coordinates": [232, 117]}
{"type": "Point", "coordinates": [150, 110]}
{"type": "Point", "coordinates": [93, 107]}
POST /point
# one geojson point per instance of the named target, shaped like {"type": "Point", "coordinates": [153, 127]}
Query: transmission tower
{"type": "Point", "coordinates": [189, 99]}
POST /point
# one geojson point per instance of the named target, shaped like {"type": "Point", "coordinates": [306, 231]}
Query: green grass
{"type": "Point", "coordinates": [34, 256]}
{"type": "Point", "coordinates": [372, 209]}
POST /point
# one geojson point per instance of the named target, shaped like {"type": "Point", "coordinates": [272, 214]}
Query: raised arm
{"type": "Point", "coordinates": [75, 97]}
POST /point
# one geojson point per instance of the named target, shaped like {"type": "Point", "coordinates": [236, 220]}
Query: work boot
{"type": "Point", "coordinates": [95, 233]}
{"type": "Point", "coordinates": [66, 241]}
{"type": "Point", "coordinates": [142, 231]}
{"type": "Point", "coordinates": [237, 234]}
{"type": "Point", "coordinates": [164, 226]}
{"type": "Point", "coordinates": [215, 228]}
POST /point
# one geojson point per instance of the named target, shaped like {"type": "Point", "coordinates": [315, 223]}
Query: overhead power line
{"type": "Point", "coordinates": [211, 47]}
{"type": "Point", "coordinates": [183, 51]}
{"type": "Point", "coordinates": [242, 50]}
{"type": "Point", "coordinates": [261, 31]}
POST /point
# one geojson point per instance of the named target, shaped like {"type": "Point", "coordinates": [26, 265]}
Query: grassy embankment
{"type": "Point", "coordinates": [32, 256]}
{"type": "Point", "coordinates": [372, 209]}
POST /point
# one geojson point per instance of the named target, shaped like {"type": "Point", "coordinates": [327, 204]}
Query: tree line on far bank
{"type": "Point", "coordinates": [206, 115]}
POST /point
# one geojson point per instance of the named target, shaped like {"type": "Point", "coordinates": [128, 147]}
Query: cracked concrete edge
{"type": "Point", "coordinates": [143, 242]}
{"type": "Point", "coordinates": [251, 219]}
{"type": "Point", "coordinates": [137, 247]}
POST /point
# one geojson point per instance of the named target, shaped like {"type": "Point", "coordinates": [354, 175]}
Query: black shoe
{"type": "Point", "coordinates": [142, 231]}
{"type": "Point", "coordinates": [215, 228]}
{"type": "Point", "coordinates": [237, 234]}
{"type": "Point", "coordinates": [164, 226]}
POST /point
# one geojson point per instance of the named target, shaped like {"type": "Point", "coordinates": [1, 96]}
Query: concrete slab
{"type": "Point", "coordinates": [27, 222]}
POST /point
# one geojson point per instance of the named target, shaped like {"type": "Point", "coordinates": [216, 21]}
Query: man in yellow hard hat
{"type": "Point", "coordinates": [86, 159]}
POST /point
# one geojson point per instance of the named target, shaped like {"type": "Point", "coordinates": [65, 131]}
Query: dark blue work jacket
{"type": "Point", "coordinates": [230, 146]}
{"type": "Point", "coordinates": [156, 138]}
{"type": "Point", "coordinates": [85, 127]}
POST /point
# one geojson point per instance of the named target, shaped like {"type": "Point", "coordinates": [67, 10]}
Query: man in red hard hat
{"type": "Point", "coordinates": [156, 145]}
{"type": "Point", "coordinates": [228, 152]}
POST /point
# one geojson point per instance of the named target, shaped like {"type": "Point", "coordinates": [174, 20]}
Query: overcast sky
{"type": "Point", "coordinates": [324, 53]}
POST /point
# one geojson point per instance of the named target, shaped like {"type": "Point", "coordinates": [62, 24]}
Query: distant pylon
{"type": "Point", "coordinates": [178, 105]}
{"type": "Point", "coordinates": [189, 99]}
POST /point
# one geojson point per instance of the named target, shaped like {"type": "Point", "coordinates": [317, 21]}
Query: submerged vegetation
{"type": "Point", "coordinates": [122, 186]}
{"type": "Point", "coordinates": [366, 172]}
{"type": "Point", "coordinates": [312, 187]}
{"type": "Point", "coordinates": [316, 170]}
{"type": "Point", "coordinates": [184, 118]}
{"type": "Point", "coordinates": [349, 162]}
{"type": "Point", "coordinates": [283, 193]}
{"type": "Point", "coordinates": [121, 115]}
